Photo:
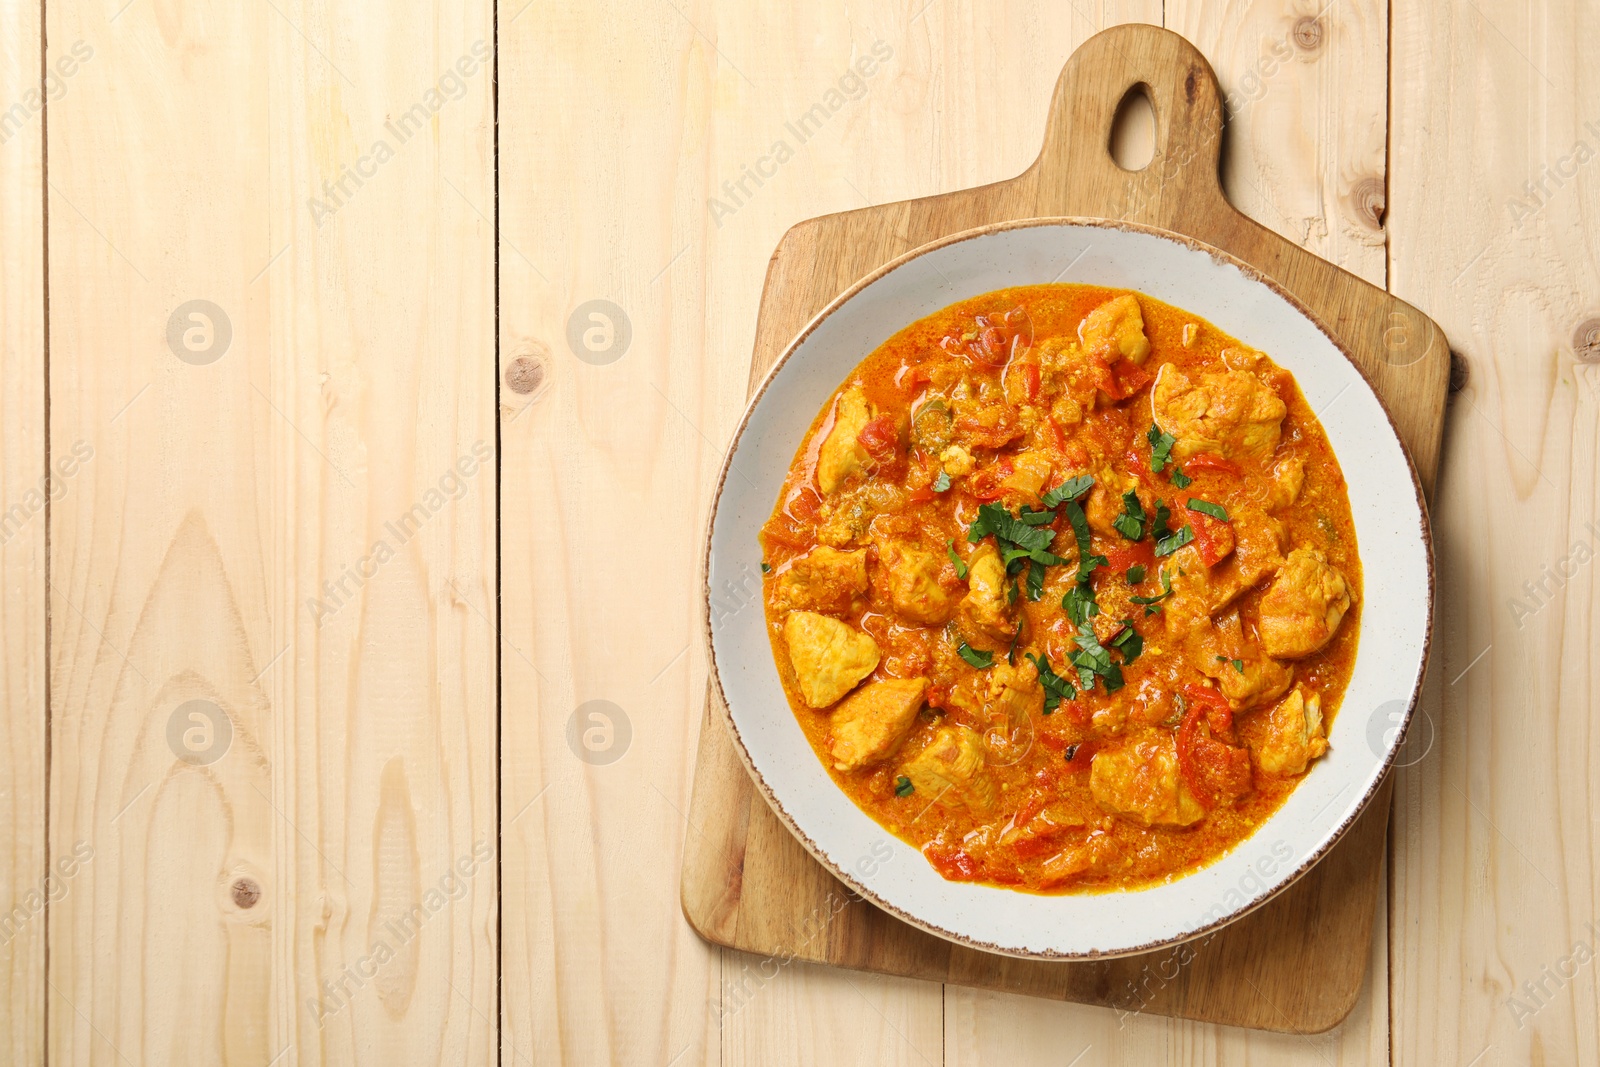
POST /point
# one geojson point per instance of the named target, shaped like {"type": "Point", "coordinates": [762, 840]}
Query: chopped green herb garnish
{"type": "Point", "coordinates": [1035, 579]}
{"type": "Point", "coordinates": [1150, 602]}
{"type": "Point", "coordinates": [1128, 641]}
{"type": "Point", "coordinates": [1034, 517]}
{"type": "Point", "coordinates": [1056, 688]}
{"type": "Point", "coordinates": [1136, 574]}
{"type": "Point", "coordinates": [1168, 545]}
{"type": "Point", "coordinates": [1087, 561]}
{"type": "Point", "coordinates": [1079, 603]}
{"type": "Point", "coordinates": [1238, 665]}
{"type": "Point", "coordinates": [1094, 661]}
{"type": "Point", "coordinates": [1071, 489]}
{"type": "Point", "coordinates": [961, 568]}
{"type": "Point", "coordinates": [941, 483]}
{"type": "Point", "coordinates": [974, 657]}
{"type": "Point", "coordinates": [903, 787]}
{"type": "Point", "coordinates": [1180, 479]}
{"type": "Point", "coordinates": [766, 568]}
{"type": "Point", "coordinates": [1072, 750]}
{"type": "Point", "coordinates": [1160, 448]}
{"type": "Point", "coordinates": [1130, 523]}
{"type": "Point", "coordinates": [1206, 507]}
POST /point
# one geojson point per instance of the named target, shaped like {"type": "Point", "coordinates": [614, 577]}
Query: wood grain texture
{"type": "Point", "coordinates": [604, 121]}
{"type": "Point", "coordinates": [1495, 192]}
{"type": "Point", "coordinates": [25, 883]}
{"type": "Point", "coordinates": [272, 678]}
{"type": "Point", "coordinates": [755, 907]}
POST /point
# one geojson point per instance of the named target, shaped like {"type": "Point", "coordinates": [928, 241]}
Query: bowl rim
{"type": "Point", "coordinates": [859, 887]}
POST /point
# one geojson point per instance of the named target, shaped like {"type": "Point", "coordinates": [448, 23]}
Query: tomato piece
{"type": "Point", "coordinates": [879, 437]}
{"type": "Point", "coordinates": [1215, 706]}
{"type": "Point", "coordinates": [1210, 461]}
{"type": "Point", "coordinates": [1213, 538]}
{"type": "Point", "coordinates": [1030, 380]}
{"type": "Point", "coordinates": [922, 495]}
{"type": "Point", "coordinates": [786, 532]}
{"type": "Point", "coordinates": [985, 484]}
{"type": "Point", "coordinates": [1058, 440]}
{"type": "Point", "coordinates": [804, 504]}
{"type": "Point", "coordinates": [1126, 379]}
{"type": "Point", "coordinates": [1122, 557]}
{"type": "Point", "coordinates": [954, 863]}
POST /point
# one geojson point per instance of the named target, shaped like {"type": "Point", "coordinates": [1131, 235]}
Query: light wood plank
{"type": "Point", "coordinates": [606, 110]}
{"type": "Point", "coordinates": [1306, 87]}
{"type": "Point", "coordinates": [257, 906]}
{"type": "Point", "coordinates": [27, 883]}
{"type": "Point", "coordinates": [1495, 191]}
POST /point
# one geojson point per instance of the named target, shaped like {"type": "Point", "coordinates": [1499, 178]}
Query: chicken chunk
{"type": "Point", "coordinates": [1294, 735]}
{"type": "Point", "coordinates": [914, 586]}
{"type": "Point", "coordinates": [1115, 330]}
{"type": "Point", "coordinates": [957, 461]}
{"type": "Point", "coordinates": [1230, 412]}
{"type": "Point", "coordinates": [870, 723]}
{"type": "Point", "coordinates": [1015, 694]}
{"type": "Point", "coordinates": [823, 580]}
{"type": "Point", "coordinates": [1303, 606]}
{"type": "Point", "coordinates": [1028, 478]}
{"type": "Point", "coordinates": [953, 769]}
{"type": "Point", "coordinates": [1200, 591]}
{"type": "Point", "coordinates": [1140, 781]}
{"type": "Point", "coordinates": [841, 454]}
{"type": "Point", "coordinates": [1245, 676]}
{"type": "Point", "coordinates": [984, 615]}
{"type": "Point", "coordinates": [829, 657]}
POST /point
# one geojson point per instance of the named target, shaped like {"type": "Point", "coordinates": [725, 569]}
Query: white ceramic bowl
{"type": "Point", "coordinates": [1391, 527]}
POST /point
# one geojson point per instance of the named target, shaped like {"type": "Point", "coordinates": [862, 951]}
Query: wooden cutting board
{"type": "Point", "coordinates": [1295, 965]}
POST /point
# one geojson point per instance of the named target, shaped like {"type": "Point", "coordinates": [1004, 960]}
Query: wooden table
{"type": "Point", "coordinates": [272, 791]}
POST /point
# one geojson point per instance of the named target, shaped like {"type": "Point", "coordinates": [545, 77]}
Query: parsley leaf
{"type": "Point", "coordinates": [941, 483]}
{"type": "Point", "coordinates": [1071, 489]}
{"type": "Point", "coordinates": [1035, 579]}
{"type": "Point", "coordinates": [1136, 574]}
{"type": "Point", "coordinates": [1079, 603]}
{"type": "Point", "coordinates": [1150, 602]}
{"type": "Point", "coordinates": [1128, 641]}
{"type": "Point", "coordinates": [1206, 507]}
{"type": "Point", "coordinates": [1094, 661]}
{"type": "Point", "coordinates": [974, 657]}
{"type": "Point", "coordinates": [1168, 545]}
{"type": "Point", "coordinates": [1087, 561]}
{"type": "Point", "coordinates": [766, 568]}
{"type": "Point", "coordinates": [1130, 523]}
{"type": "Point", "coordinates": [995, 519]}
{"type": "Point", "coordinates": [961, 568]}
{"type": "Point", "coordinates": [903, 787]}
{"type": "Point", "coordinates": [1160, 448]}
{"type": "Point", "coordinates": [1056, 688]}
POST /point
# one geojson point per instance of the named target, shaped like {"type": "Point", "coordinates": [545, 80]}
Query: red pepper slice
{"type": "Point", "coordinates": [1030, 380]}
{"type": "Point", "coordinates": [1210, 461]}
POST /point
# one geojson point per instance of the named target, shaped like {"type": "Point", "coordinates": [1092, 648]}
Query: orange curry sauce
{"type": "Point", "coordinates": [1025, 713]}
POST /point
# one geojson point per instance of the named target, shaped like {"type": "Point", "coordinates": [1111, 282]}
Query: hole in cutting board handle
{"type": "Point", "coordinates": [1133, 129]}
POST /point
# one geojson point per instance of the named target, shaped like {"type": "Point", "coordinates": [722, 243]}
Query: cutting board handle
{"type": "Point", "coordinates": [1182, 176]}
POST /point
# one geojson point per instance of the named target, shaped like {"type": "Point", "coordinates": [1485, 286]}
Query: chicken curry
{"type": "Point", "coordinates": [1063, 588]}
